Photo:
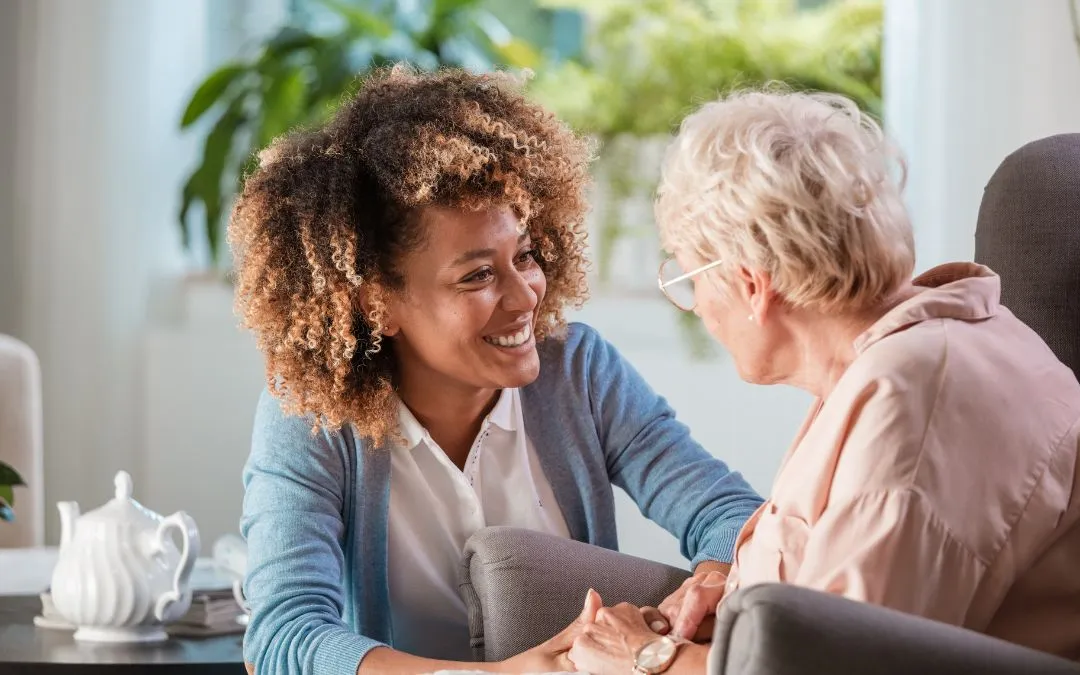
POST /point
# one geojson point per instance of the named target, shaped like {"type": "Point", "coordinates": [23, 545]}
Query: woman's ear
{"type": "Point", "coordinates": [366, 305]}
{"type": "Point", "coordinates": [756, 290]}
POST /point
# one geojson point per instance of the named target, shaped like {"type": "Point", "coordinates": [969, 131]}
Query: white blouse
{"type": "Point", "coordinates": [435, 507]}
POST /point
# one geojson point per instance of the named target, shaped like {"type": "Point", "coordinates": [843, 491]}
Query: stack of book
{"type": "Point", "coordinates": [212, 612]}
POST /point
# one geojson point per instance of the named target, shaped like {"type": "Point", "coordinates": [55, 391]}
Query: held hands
{"type": "Point", "coordinates": [608, 645]}
{"type": "Point", "coordinates": [605, 640]}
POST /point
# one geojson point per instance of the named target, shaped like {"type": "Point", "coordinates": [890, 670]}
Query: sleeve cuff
{"type": "Point", "coordinates": [720, 547]}
{"type": "Point", "coordinates": [341, 653]}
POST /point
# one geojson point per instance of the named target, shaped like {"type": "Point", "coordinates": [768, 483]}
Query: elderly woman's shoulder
{"type": "Point", "coordinates": [910, 358]}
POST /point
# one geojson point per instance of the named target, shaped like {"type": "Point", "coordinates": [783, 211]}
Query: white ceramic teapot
{"type": "Point", "coordinates": [119, 576]}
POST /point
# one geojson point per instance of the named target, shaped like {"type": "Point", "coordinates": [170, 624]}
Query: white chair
{"type": "Point", "coordinates": [21, 441]}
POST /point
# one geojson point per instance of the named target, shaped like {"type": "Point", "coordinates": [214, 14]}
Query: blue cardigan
{"type": "Point", "coordinates": [315, 505]}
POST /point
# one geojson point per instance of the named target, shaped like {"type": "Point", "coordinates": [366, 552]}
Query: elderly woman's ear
{"type": "Point", "coordinates": [756, 289]}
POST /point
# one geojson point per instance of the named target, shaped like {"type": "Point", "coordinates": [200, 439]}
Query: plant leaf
{"type": "Point", "coordinates": [208, 93]}
{"type": "Point", "coordinates": [360, 21]}
{"type": "Point", "coordinates": [282, 105]}
{"type": "Point", "coordinates": [205, 183]}
{"type": "Point", "coordinates": [7, 495]}
{"type": "Point", "coordinates": [495, 30]}
{"type": "Point", "coordinates": [594, 8]}
{"type": "Point", "coordinates": [287, 40]}
{"type": "Point", "coordinates": [219, 145]}
{"type": "Point", "coordinates": [187, 198]}
{"type": "Point", "coordinates": [502, 43]}
{"type": "Point", "coordinates": [330, 64]}
{"type": "Point", "coordinates": [518, 53]}
{"type": "Point", "coordinates": [444, 7]}
{"type": "Point", "coordinates": [9, 476]}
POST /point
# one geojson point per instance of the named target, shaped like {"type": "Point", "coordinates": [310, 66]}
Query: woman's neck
{"type": "Point", "coordinates": [824, 345]}
{"type": "Point", "coordinates": [452, 415]}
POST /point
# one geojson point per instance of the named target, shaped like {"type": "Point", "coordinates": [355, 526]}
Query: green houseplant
{"type": "Point", "coordinates": [648, 63]}
{"type": "Point", "coordinates": [9, 479]}
{"type": "Point", "coordinates": [298, 77]}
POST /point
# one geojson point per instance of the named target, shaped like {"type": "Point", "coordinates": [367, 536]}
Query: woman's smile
{"type": "Point", "coordinates": [517, 339]}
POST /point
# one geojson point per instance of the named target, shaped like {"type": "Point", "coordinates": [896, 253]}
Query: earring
{"type": "Point", "coordinates": [750, 318]}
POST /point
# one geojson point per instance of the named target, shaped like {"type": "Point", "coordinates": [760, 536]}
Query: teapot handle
{"type": "Point", "coordinates": [189, 535]}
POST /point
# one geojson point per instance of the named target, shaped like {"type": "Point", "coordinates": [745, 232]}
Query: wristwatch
{"type": "Point", "coordinates": [657, 655]}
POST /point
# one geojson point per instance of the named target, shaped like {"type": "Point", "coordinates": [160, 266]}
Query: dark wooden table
{"type": "Point", "coordinates": [26, 649]}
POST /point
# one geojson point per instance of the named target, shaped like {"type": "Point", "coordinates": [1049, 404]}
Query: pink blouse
{"type": "Point", "coordinates": [940, 475]}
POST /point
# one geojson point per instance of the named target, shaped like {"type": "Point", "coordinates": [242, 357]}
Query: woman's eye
{"type": "Point", "coordinates": [485, 274]}
{"type": "Point", "coordinates": [480, 275]}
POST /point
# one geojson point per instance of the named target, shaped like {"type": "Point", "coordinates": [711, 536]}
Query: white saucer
{"type": "Point", "coordinates": [55, 624]}
{"type": "Point", "coordinates": [129, 635]}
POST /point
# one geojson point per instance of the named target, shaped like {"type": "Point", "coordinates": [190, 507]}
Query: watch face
{"type": "Point", "coordinates": [656, 654]}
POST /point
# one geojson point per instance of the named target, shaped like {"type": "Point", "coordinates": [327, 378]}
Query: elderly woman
{"type": "Point", "coordinates": [405, 270]}
{"type": "Point", "coordinates": [936, 471]}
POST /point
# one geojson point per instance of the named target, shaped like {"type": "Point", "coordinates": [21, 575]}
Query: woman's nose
{"type": "Point", "coordinates": [519, 294]}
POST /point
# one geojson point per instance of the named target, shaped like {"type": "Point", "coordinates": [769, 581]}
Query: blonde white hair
{"type": "Point", "coordinates": [796, 185]}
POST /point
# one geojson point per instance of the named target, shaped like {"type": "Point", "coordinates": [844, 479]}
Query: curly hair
{"type": "Point", "coordinates": [328, 214]}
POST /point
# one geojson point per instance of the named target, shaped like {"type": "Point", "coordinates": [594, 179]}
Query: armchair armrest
{"type": "Point", "coordinates": [523, 587]}
{"type": "Point", "coordinates": [779, 629]}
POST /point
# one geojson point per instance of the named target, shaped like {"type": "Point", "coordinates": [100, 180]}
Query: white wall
{"type": "Point", "coordinates": [96, 164]}
{"type": "Point", "coordinates": [202, 379]}
{"type": "Point", "coordinates": [966, 83]}
{"type": "Point", "coordinates": [9, 296]}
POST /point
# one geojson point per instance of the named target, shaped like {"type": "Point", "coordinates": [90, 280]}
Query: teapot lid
{"type": "Point", "coordinates": [122, 508]}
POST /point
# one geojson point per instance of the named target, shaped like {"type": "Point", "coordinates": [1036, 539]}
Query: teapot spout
{"type": "Point", "coordinates": [69, 513]}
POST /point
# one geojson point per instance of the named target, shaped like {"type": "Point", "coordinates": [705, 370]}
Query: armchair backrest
{"type": "Point", "coordinates": [1029, 233]}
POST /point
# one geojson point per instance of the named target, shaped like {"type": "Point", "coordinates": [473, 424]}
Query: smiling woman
{"type": "Point", "coordinates": [466, 325]}
{"type": "Point", "coordinates": [405, 270]}
{"type": "Point", "coordinates": [330, 215]}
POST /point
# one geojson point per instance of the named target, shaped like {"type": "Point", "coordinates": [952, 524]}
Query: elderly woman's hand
{"type": "Point", "coordinates": [689, 612]}
{"type": "Point", "coordinates": [609, 644]}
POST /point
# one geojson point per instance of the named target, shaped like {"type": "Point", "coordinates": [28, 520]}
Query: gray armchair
{"type": "Point", "coordinates": [523, 587]}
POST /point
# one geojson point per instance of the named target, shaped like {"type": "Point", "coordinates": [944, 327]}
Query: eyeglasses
{"type": "Point", "coordinates": [671, 278]}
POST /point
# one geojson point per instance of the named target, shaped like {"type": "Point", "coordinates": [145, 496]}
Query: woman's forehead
{"type": "Point", "coordinates": [454, 229]}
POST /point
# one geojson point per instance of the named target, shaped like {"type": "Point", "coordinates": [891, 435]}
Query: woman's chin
{"type": "Point", "coordinates": [523, 376]}
{"type": "Point", "coordinates": [749, 375]}
{"type": "Point", "coordinates": [516, 366]}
